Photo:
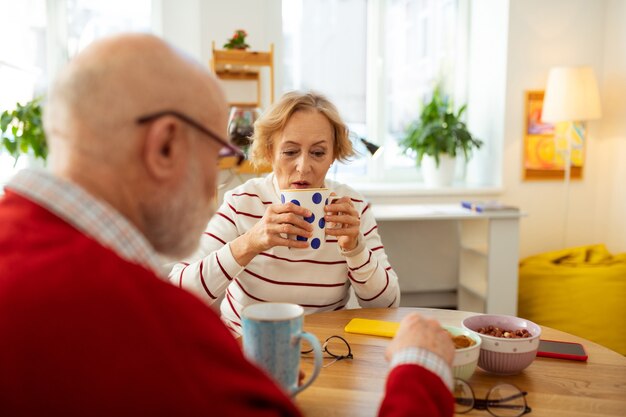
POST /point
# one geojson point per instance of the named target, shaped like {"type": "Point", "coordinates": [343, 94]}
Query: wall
{"type": "Point", "coordinates": [610, 224]}
{"type": "Point", "coordinates": [193, 25]}
{"type": "Point", "coordinates": [513, 45]}
{"type": "Point", "coordinates": [262, 21]}
{"type": "Point", "coordinates": [567, 33]}
{"type": "Point", "coordinates": [177, 21]}
{"type": "Point", "coordinates": [489, 20]}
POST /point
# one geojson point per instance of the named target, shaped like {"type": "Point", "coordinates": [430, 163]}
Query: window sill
{"type": "Point", "coordinates": [404, 189]}
{"type": "Point", "coordinates": [378, 181]}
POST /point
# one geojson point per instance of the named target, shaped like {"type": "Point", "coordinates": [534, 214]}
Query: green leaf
{"type": "Point", "coordinates": [10, 146]}
{"type": "Point", "coordinates": [461, 111]}
{"type": "Point", "coordinates": [5, 119]}
{"type": "Point", "coordinates": [27, 133]}
{"type": "Point", "coordinates": [438, 129]}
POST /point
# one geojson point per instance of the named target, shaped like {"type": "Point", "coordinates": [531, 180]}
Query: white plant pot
{"type": "Point", "coordinates": [438, 176]}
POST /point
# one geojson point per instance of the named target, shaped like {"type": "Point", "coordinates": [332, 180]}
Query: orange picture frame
{"type": "Point", "coordinates": [546, 144]}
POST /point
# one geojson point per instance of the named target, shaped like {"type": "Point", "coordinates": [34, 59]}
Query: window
{"type": "Point", "coordinates": [40, 37]}
{"type": "Point", "coordinates": [419, 50]}
{"type": "Point", "coordinates": [324, 53]}
{"type": "Point", "coordinates": [22, 61]}
{"type": "Point", "coordinates": [390, 55]}
{"type": "Point", "coordinates": [88, 20]}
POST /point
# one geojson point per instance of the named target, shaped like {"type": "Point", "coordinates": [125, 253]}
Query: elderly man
{"type": "Point", "coordinates": [88, 321]}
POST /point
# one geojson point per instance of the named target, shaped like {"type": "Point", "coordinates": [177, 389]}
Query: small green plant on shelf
{"type": "Point", "coordinates": [439, 130]}
{"type": "Point", "coordinates": [21, 131]}
{"type": "Point", "coordinates": [238, 40]}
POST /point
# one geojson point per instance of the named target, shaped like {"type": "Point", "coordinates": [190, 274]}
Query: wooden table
{"type": "Point", "coordinates": [556, 387]}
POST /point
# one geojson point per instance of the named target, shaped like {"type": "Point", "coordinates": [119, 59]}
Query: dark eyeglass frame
{"type": "Point", "coordinates": [331, 354]}
{"type": "Point", "coordinates": [486, 404]}
{"type": "Point", "coordinates": [230, 149]}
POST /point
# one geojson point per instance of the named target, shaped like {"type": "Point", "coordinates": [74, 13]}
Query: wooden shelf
{"type": "Point", "coordinates": [227, 74]}
{"type": "Point", "coordinates": [244, 65]}
{"type": "Point", "coordinates": [243, 57]}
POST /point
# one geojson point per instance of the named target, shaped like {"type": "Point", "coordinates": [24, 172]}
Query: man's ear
{"type": "Point", "coordinates": [163, 148]}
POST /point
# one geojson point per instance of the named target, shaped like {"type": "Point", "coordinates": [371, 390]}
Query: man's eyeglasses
{"type": "Point", "coordinates": [226, 150]}
{"type": "Point", "coordinates": [336, 347]}
{"type": "Point", "coordinates": [503, 400]}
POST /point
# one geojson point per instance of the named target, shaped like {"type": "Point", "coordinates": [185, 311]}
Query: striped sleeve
{"type": "Point", "coordinates": [374, 282]}
{"type": "Point", "coordinates": [210, 270]}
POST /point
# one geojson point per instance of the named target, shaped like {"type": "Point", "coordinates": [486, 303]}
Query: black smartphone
{"type": "Point", "coordinates": [561, 350]}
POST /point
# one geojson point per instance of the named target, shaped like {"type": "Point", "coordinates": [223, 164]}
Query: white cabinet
{"type": "Point", "coordinates": [488, 264]}
{"type": "Point", "coordinates": [488, 252]}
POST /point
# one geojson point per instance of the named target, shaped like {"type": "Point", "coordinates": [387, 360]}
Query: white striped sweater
{"type": "Point", "coordinates": [318, 280]}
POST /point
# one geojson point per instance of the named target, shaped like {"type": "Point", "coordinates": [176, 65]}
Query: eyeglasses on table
{"type": "Point", "coordinates": [335, 347]}
{"type": "Point", "coordinates": [502, 400]}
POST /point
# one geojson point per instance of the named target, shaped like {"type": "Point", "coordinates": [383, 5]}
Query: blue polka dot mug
{"type": "Point", "coordinates": [272, 334]}
{"type": "Point", "coordinates": [313, 199]}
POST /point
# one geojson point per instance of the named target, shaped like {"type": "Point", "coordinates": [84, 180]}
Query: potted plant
{"type": "Point", "coordinates": [238, 40]}
{"type": "Point", "coordinates": [21, 131]}
{"type": "Point", "coordinates": [436, 138]}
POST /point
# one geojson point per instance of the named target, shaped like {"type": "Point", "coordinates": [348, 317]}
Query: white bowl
{"type": "Point", "coordinates": [465, 359]}
{"type": "Point", "coordinates": [500, 355]}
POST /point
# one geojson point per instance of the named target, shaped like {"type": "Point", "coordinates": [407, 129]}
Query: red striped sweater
{"type": "Point", "coordinates": [317, 280]}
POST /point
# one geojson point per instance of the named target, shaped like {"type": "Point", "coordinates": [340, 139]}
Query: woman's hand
{"type": "Point", "coordinates": [344, 222]}
{"type": "Point", "coordinates": [285, 219]}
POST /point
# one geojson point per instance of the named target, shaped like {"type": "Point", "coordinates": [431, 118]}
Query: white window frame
{"type": "Point", "coordinates": [382, 179]}
{"type": "Point", "coordinates": [57, 55]}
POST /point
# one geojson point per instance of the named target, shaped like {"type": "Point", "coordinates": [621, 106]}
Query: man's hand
{"type": "Point", "coordinates": [419, 332]}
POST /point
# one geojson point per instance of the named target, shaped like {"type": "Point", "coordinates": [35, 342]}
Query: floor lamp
{"type": "Point", "coordinates": [571, 96]}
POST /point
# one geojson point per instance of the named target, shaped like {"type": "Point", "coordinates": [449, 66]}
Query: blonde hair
{"type": "Point", "coordinates": [273, 121]}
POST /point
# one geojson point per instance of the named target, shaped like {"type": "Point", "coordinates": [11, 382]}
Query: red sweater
{"type": "Point", "coordinates": [85, 332]}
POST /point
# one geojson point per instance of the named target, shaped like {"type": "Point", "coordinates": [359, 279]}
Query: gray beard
{"type": "Point", "coordinates": [175, 225]}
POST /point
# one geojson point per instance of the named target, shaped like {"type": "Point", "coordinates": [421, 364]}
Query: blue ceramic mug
{"type": "Point", "coordinates": [272, 333]}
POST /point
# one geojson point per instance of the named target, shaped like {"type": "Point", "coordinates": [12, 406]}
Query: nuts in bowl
{"type": "Point", "coordinates": [506, 333]}
{"type": "Point", "coordinates": [467, 344]}
{"type": "Point", "coordinates": [509, 344]}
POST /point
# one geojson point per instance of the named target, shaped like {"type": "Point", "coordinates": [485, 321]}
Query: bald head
{"type": "Point", "coordinates": [97, 97]}
{"type": "Point", "coordinates": [159, 174]}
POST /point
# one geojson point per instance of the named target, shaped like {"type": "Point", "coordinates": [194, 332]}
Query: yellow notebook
{"type": "Point", "coordinates": [373, 327]}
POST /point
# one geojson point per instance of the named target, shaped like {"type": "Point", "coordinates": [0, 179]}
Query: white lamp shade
{"type": "Point", "coordinates": [571, 95]}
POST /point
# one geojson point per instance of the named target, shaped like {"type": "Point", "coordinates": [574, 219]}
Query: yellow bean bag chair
{"type": "Point", "coordinates": [581, 291]}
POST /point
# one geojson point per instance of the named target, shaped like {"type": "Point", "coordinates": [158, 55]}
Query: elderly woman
{"type": "Point", "coordinates": [244, 252]}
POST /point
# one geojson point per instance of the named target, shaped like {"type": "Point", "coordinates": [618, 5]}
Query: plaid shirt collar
{"type": "Point", "coordinates": [93, 217]}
